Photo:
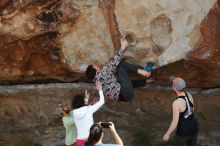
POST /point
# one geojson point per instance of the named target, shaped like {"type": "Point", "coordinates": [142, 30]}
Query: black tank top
{"type": "Point", "coordinates": [187, 124]}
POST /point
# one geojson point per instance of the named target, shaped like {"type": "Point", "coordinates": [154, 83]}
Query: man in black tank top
{"type": "Point", "coordinates": [183, 117]}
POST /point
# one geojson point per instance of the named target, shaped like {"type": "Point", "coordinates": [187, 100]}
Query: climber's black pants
{"type": "Point", "coordinates": [127, 85]}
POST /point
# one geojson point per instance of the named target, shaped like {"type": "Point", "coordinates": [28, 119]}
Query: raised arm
{"type": "Point", "coordinates": [112, 65]}
{"type": "Point", "coordinates": [117, 138]}
{"type": "Point", "coordinates": [101, 101]}
{"type": "Point", "coordinates": [174, 122]}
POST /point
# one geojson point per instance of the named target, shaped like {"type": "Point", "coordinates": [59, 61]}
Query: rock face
{"type": "Point", "coordinates": [201, 67]}
{"type": "Point", "coordinates": [159, 29]}
{"type": "Point", "coordinates": [28, 116]}
{"type": "Point", "coordinates": [30, 49]}
{"type": "Point", "coordinates": [56, 40]}
{"type": "Point", "coordinates": [88, 40]}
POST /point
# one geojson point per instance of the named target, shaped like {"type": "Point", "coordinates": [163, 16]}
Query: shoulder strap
{"type": "Point", "coordinates": [187, 104]}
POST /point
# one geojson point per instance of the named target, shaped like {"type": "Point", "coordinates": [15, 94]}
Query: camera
{"type": "Point", "coordinates": [105, 124]}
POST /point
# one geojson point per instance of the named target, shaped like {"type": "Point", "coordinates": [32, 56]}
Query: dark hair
{"type": "Point", "coordinates": [94, 135]}
{"type": "Point", "coordinates": [90, 72]}
{"type": "Point", "coordinates": [78, 101]}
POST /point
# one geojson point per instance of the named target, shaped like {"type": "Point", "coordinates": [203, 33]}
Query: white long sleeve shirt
{"type": "Point", "coordinates": [83, 117]}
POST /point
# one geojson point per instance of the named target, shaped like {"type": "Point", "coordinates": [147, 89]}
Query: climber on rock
{"type": "Point", "coordinates": [114, 76]}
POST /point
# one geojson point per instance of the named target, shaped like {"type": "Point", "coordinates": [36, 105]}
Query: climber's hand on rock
{"type": "Point", "coordinates": [124, 44]}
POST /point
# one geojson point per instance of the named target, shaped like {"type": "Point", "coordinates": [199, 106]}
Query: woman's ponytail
{"type": "Point", "coordinates": [94, 135]}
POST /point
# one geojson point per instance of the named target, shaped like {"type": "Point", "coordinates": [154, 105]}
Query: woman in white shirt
{"type": "Point", "coordinates": [83, 114]}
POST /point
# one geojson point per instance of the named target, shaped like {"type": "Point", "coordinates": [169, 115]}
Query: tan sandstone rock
{"type": "Point", "coordinates": [162, 31]}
